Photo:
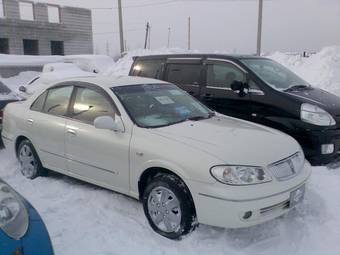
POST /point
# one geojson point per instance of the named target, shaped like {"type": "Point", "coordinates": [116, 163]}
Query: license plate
{"type": "Point", "coordinates": [297, 196]}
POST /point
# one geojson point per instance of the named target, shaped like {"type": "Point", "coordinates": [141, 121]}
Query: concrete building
{"type": "Point", "coordinates": [31, 28]}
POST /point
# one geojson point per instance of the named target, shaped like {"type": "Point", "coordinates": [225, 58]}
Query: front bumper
{"type": "Point", "coordinates": [36, 240]}
{"type": "Point", "coordinates": [222, 205]}
{"type": "Point", "coordinates": [311, 142]}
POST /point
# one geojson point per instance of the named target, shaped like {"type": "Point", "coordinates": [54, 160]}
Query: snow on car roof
{"type": "Point", "coordinates": [116, 81]}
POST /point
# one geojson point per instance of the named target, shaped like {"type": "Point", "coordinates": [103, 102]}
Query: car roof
{"type": "Point", "coordinates": [115, 81]}
{"type": "Point", "coordinates": [222, 56]}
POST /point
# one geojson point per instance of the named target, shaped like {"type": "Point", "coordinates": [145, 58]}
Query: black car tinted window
{"type": "Point", "coordinates": [147, 68]}
{"type": "Point", "coordinates": [184, 73]}
{"type": "Point", "coordinates": [39, 102]}
{"type": "Point", "coordinates": [90, 104]}
{"type": "Point", "coordinates": [4, 90]}
{"type": "Point", "coordinates": [222, 75]}
{"type": "Point", "coordinates": [57, 100]}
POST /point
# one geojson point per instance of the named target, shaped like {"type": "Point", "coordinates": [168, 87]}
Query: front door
{"type": "Point", "coordinates": [217, 92]}
{"type": "Point", "coordinates": [94, 155]}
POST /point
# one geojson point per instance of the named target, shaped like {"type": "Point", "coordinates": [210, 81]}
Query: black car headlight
{"type": "Point", "coordinates": [14, 219]}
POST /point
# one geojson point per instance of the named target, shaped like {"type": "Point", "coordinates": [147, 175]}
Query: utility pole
{"type": "Point", "coordinates": [189, 33]}
{"type": "Point", "coordinates": [147, 35]}
{"type": "Point", "coordinates": [121, 33]}
{"type": "Point", "coordinates": [169, 35]}
{"type": "Point", "coordinates": [259, 29]}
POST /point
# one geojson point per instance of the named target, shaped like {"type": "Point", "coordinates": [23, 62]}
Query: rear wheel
{"type": "Point", "coordinates": [30, 165]}
{"type": "Point", "coordinates": [168, 206]}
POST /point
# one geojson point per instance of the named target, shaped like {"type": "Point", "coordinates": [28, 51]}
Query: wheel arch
{"type": "Point", "coordinates": [149, 173]}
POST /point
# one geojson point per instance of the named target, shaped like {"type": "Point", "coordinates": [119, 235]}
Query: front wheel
{"type": "Point", "coordinates": [30, 165]}
{"type": "Point", "coordinates": [168, 206]}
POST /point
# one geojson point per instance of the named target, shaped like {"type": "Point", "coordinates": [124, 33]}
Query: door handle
{"type": "Point", "coordinates": [207, 96]}
{"type": "Point", "coordinates": [30, 121]}
{"type": "Point", "coordinates": [71, 132]}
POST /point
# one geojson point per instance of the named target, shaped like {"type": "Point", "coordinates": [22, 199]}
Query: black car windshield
{"type": "Point", "coordinates": [4, 90]}
{"type": "Point", "coordinates": [159, 105]}
{"type": "Point", "coordinates": [274, 74]}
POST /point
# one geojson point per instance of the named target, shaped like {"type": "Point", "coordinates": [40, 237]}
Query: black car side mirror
{"type": "Point", "coordinates": [22, 89]}
{"type": "Point", "coordinates": [239, 87]}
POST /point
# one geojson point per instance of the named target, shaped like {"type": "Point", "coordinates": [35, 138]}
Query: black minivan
{"type": "Point", "coordinates": [255, 89]}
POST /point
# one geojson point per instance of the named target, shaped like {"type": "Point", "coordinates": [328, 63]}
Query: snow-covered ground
{"type": "Point", "coordinates": [84, 219]}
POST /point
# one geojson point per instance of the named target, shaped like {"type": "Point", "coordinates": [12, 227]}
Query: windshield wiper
{"type": "Point", "coordinates": [200, 117]}
{"type": "Point", "coordinates": [296, 87]}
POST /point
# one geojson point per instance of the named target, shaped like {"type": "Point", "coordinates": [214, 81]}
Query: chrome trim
{"type": "Point", "coordinates": [269, 209]}
{"type": "Point", "coordinates": [184, 58]}
{"type": "Point", "coordinates": [212, 87]}
{"type": "Point", "coordinates": [228, 61]}
{"type": "Point", "coordinates": [67, 158]}
{"type": "Point", "coordinates": [253, 199]}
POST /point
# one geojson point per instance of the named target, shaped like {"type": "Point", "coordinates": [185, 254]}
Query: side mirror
{"type": "Point", "coordinates": [22, 89]}
{"type": "Point", "coordinates": [108, 123]}
{"type": "Point", "coordinates": [240, 88]}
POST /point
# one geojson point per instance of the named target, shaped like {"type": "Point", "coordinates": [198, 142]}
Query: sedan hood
{"type": "Point", "coordinates": [323, 99]}
{"type": "Point", "coordinates": [233, 141]}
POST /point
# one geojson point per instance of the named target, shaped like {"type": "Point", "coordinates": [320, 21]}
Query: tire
{"type": "Point", "coordinates": [30, 164]}
{"type": "Point", "coordinates": [168, 206]}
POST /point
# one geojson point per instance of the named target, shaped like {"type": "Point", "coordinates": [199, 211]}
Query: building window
{"type": "Point", "coordinates": [4, 46]}
{"type": "Point", "coordinates": [53, 14]}
{"type": "Point", "coordinates": [26, 10]}
{"type": "Point", "coordinates": [31, 47]}
{"type": "Point", "coordinates": [2, 9]}
{"type": "Point", "coordinates": [57, 48]}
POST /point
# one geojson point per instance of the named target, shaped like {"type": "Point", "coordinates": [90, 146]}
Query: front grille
{"type": "Point", "coordinates": [288, 168]}
{"type": "Point", "coordinates": [270, 209]}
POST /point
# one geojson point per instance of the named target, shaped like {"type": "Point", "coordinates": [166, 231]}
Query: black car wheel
{"type": "Point", "coordinates": [30, 164]}
{"type": "Point", "coordinates": [168, 206]}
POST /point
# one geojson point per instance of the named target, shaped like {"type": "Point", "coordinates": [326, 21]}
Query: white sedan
{"type": "Point", "coordinates": [152, 141]}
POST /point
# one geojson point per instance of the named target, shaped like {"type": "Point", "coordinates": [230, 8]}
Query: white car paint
{"type": "Point", "coordinates": [116, 160]}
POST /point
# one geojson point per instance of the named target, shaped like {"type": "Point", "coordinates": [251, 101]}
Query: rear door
{"type": "Point", "coordinates": [46, 124]}
{"type": "Point", "coordinates": [217, 93]}
{"type": "Point", "coordinates": [186, 74]}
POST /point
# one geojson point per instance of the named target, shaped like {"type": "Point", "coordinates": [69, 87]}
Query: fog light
{"type": "Point", "coordinates": [247, 215]}
{"type": "Point", "coordinates": [327, 148]}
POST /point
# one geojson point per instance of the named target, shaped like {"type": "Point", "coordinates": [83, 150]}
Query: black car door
{"type": "Point", "coordinates": [217, 93]}
{"type": "Point", "coordinates": [186, 74]}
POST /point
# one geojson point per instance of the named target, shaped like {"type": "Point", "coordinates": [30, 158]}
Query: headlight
{"type": "Point", "coordinates": [240, 175]}
{"type": "Point", "coordinates": [315, 115]}
{"type": "Point", "coordinates": [13, 215]}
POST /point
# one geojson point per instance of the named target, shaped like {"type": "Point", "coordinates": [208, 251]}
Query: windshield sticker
{"type": "Point", "coordinates": [165, 100]}
{"type": "Point", "coordinates": [176, 92]}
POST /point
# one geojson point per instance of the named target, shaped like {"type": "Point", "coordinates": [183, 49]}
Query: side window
{"type": "Point", "coordinates": [90, 104]}
{"type": "Point", "coordinates": [39, 102]}
{"type": "Point", "coordinates": [147, 68]}
{"type": "Point", "coordinates": [184, 74]}
{"type": "Point", "coordinates": [57, 100]}
{"type": "Point", "coordinates": [222, 75]}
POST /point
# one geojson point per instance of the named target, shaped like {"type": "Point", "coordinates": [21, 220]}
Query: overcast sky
{"type": "Point", "coordinates": [217, 25]}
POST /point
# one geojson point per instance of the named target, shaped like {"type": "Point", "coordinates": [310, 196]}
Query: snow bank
{"type": "Point", "coordinates": [20, 80]}
{"type": "Point", "coordinates": [321, 69]}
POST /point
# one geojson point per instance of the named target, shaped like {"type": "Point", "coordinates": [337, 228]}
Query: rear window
{"type": "Point", "coordinates": [4, 90]}
{"type": "Point", "coordinates": [147, 68]}
{"type": "Point", "coordinates": [184, 74]}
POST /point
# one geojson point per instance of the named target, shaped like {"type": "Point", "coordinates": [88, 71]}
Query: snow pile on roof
{"type": "Point", "coordinates": [91, 63]}
{"type": "Point", "coordinates": [19, 60]}
{"type": "Point", "coordinates": [320, 70]}
{"type": "Point", "coordinates": [123, 65]}
{"type": "Point", "coordinates": [20, 80]}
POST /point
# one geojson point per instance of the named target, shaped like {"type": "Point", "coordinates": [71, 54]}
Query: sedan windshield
{"type": "Point", "coordinates": [274, 74]}
{"type": "Point", "coordinates": [158, 105]}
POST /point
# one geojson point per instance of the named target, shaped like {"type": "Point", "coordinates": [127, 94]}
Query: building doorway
{"type": "Point", "coordinates": [57, 48]}
{"type": "Point", "coordinates": [31, 47]}
{"type": "Point", "coordinates": [4, 46]}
